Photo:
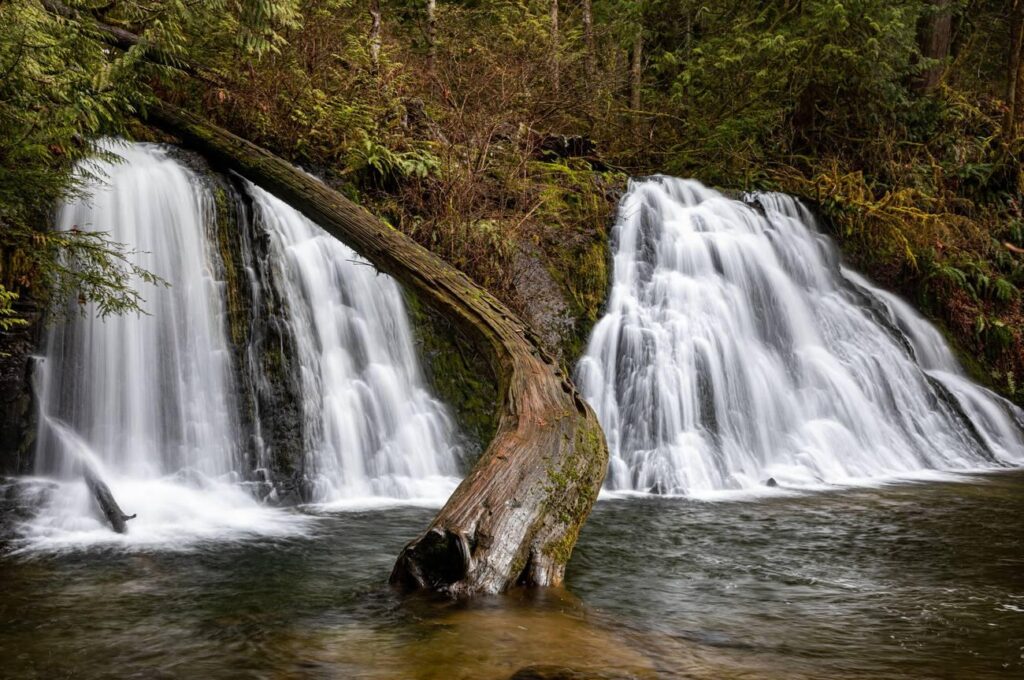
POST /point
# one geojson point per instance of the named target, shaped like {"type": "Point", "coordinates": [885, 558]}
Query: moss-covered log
{"type": "Point", "coordinates": [516, 516]}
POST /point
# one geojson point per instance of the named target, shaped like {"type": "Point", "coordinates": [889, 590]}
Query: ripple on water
{"type": "Point", "coordinates": [917, 580]}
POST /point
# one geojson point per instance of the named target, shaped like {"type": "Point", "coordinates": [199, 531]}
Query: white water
{"type": "Point", "coordinates": [151, 401]}
{"type": "Point", "coordinates": [735, 349]}
{"type": "Point", "coordinates": [373, 432]}
{"type": "Point", "coordinates": [148, 400]}
{"type": "Point", "coordinates": [152, 392]}
{"type": "Point", "coordinates": [174, 513]}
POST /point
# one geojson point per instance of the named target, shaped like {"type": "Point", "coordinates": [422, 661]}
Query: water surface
{"type": "Point", "coordinates": [921, 580]}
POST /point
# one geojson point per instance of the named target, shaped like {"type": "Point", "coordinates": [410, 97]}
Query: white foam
{"type": "Point", "coordinates": [735, 349]}
{"type": "Point", "coordinates": [171, 516]}
{"type": "Point", "coordinates": [429, 492]}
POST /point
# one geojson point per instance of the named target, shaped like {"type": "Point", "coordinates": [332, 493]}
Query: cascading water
{"type": "Point", "coordinates": [146, 399]}
{"type": "Point", "coordinates": [152, 392]}
{"type": "Point", "coordinates": [736, 349]}
{"type": "Point", "coordinates": [167, 409]}
{"type": "Point", "coordinates": [371, 428]}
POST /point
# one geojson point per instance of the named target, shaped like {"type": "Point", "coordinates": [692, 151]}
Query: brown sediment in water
{"type": "Point", "coordinates": [492, 638]}
{"type": "Point", "coordinates": [526, 634]}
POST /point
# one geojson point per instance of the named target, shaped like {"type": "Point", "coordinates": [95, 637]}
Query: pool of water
{"type": "Point", "coordinates": [922, 580]}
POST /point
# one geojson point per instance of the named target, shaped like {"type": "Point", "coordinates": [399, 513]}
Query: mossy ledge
{"type": "Point", "coordinates": [459, 376]}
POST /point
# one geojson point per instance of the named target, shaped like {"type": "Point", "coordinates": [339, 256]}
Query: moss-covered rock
{"type": "Point", "coordinates": [269, 396]}
{"type": "Point", "coordinates": [577, 210]}
{"type": "Point", "coordinates": [458, 375]}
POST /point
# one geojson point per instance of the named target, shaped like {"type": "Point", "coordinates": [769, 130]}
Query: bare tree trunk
{"type": "Point", "coordinates": [555, 75]}
{"type": "Point", "coordinates": [588, 40]}
{"type": "Point", "coordinates": [1014, 73]}
{"type": "Point", "coordinates": [637, 73]}
{"type": "Point", "coordinates": [375, 40]}
{"type": "Point", "coordinates": [1018, 90]}
{"type": "Point", "coordinates": [934, 36]}
{"type": "Point", "coordinates": [431, 34]}
{"type": "Point", "coordinates": [621, 72]}
{"type": "Point", "coordinates": [515, 518]}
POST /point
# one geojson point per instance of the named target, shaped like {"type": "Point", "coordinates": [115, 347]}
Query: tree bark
{"type": "Point", "coordinates": [588, 40]}
{"type": "Point", "coordinates": [934, 36]}
{"type": "Point", "coordinates": [374, 38]}
{"type": "Point", "coordinates": [555, 74]}
{"type": "Point", "coordinates": [431, 34]}
{"type": "Point", "coordinates": [515, 518]}
{"type": "Point", "coordinates": [1015, 74]}
{"type": "Point", "coordinates": [636, 75]}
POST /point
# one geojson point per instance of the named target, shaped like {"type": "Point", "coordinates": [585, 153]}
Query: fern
{"type": "Point", "coordinates": [1004, 291]}
{"type": "Point", "coordinates": [9, 318]}
{"type": "Point", "coordinates": [950, 274]}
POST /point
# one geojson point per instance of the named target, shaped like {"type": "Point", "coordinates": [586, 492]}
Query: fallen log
{"type": "Point", "coordinates": [79, 451]}
{"type": "Point", "coordinates": [516, 516]}
{"type": "Point", "coordinates": [116, 517]}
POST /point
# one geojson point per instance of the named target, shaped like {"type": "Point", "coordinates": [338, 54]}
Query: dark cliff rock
{"type": "Point", "coordinates": [17, 400]}
{"type": "Point", "coordinates": [270, 392]}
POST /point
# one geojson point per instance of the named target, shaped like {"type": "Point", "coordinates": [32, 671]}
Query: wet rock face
{"type": "Point", "coordinates": [542, 301]}
{"type": "Point", "coordinates": [458, 375]}
{"type": "Point", "coordinates": [17, 403]}
{"type": "Point", "coordinates": [20, 499]}
{"type": "Point", "coordinates": [264, 351]}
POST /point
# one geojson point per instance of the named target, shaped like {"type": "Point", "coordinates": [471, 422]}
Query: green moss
{"type": "Point", "coordinates": [578, 207]}
{"type": "Point", "coordinates": [573, 488]}
{"type": "Point", "coordinates": [972, 364]}
{"type": "Point", "coordinates": [583, 274]}
{"type": "Point", "coordinates": [228, 248]}
{"type": "Point", "coordinates": [458, 375]}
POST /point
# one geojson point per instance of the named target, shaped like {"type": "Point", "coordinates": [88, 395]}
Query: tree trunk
{"type": "Point", "coordinates": [588, 40]}
{"type": "Point", "coordinates": [934, 36]}
{"type": "Point", "coordinates": [1015, 74]}
{"type": "Point", "coordinates": [636, 76]}
{"type": "Point", "coordinates": [431, 34]}
{"type": "Point", "coordinates": [374, 38]}
{"type": "Point", "coordinates": [555, 75]}
{"type": "Point", "coordinates": [515, 518]}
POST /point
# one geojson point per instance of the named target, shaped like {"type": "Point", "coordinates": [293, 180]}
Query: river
{"type": "Point", "coordinates": [919, 579]}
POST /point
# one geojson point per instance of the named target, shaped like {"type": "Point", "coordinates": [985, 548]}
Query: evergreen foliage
{"type": "Point", "coordinates": [62, 90]}
{"type": "Point", "coordinates": [898, 118]}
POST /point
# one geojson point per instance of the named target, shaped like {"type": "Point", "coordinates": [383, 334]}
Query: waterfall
{"type": "Point", "coordinates": [371, 427]}
{"type": "Point", "coordinates": [153, 402]}
{"type": "Point", "coordinates": [736, 348]}
{"type": "Point", "coordinates": [147, 400]}
{"type": "Point", "coordinates": [153, 392]}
